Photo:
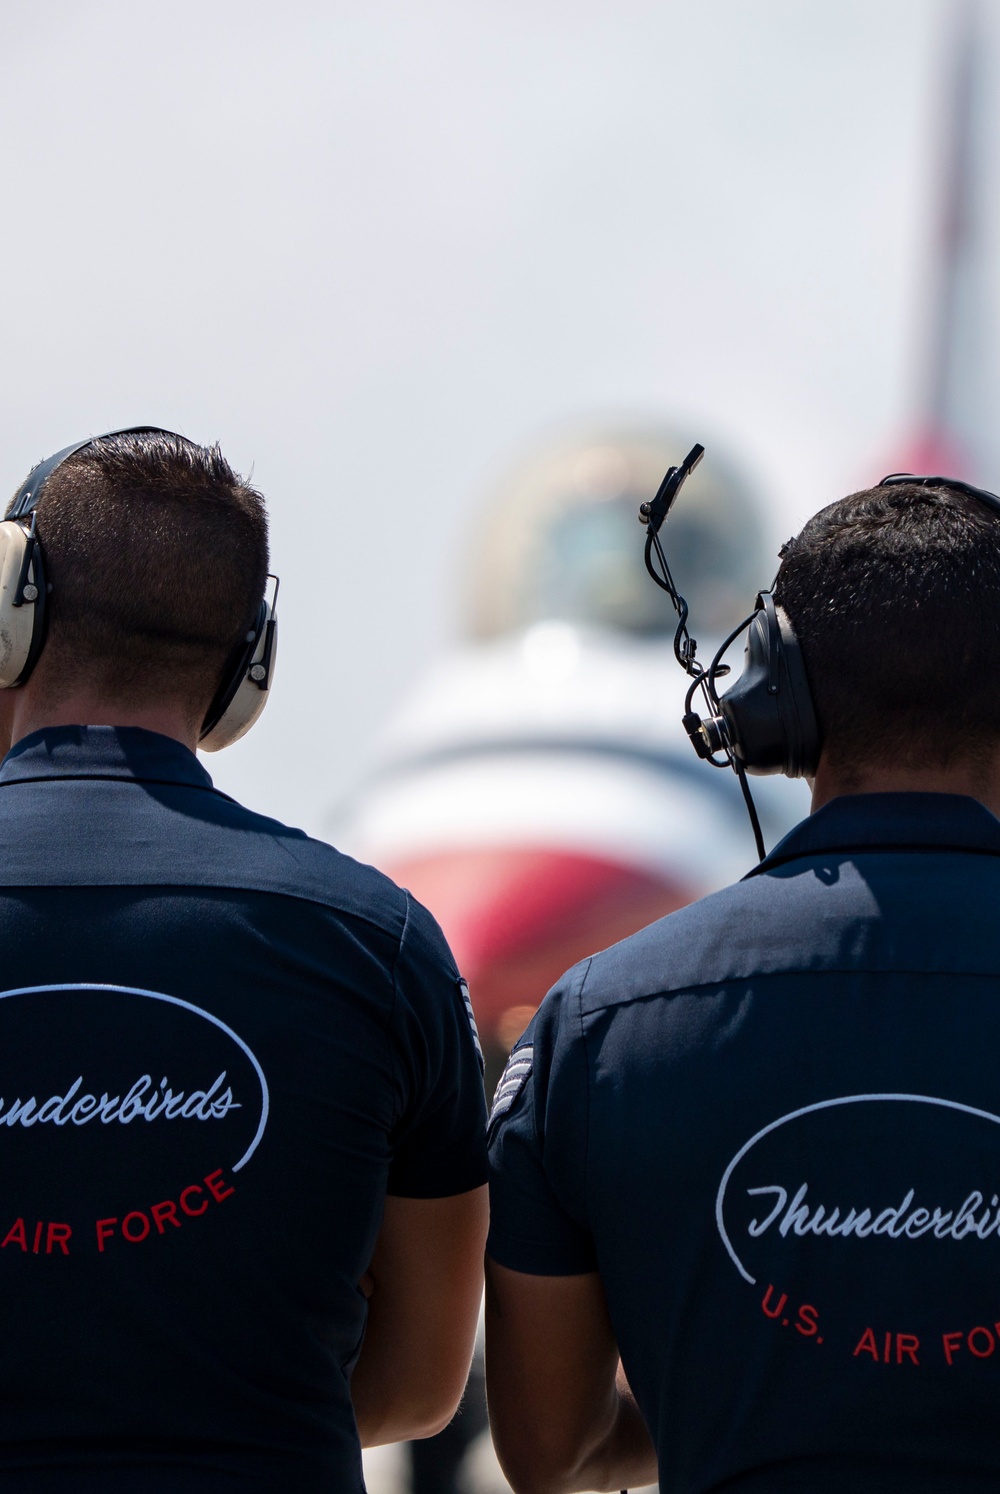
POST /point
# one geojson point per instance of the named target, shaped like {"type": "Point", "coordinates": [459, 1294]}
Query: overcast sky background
{"type": "Point", "coordinates": [376, 247]}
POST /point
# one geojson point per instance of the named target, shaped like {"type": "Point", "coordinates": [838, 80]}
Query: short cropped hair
{"type": "Point", "coordinates": [156, 555]}
{"type": "Point", "coordinates": [894, 594]}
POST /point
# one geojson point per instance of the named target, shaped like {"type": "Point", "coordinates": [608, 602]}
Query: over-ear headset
{"type": "Point", "coordinates": [246, 679]}
{"type": "Point", "coordinates": [765, 723]}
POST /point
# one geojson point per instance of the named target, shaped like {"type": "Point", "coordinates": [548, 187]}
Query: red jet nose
{"type": "Point", "coordinates": [517, 917]}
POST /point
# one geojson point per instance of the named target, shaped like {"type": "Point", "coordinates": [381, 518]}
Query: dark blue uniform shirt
{"type": "Point", "coordinates": [221, 1044]}
{"type": "Point", "coordinates": [771, 1121]}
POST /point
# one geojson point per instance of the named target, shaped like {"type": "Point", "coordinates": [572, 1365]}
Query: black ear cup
{"type": "Point", "coordinates": [770, 719]}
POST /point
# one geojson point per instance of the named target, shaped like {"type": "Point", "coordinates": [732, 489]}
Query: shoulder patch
{"type": "Point", "coordinates": [513, 1079]}
{"type": "Point", "coordinates": [463, 989]}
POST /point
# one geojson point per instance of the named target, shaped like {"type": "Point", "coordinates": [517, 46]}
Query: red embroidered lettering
{"type": "Point", "coordinates": [985, 1350]}
{"type": "Point", "coordinates": [908, 1344]}
{"type": "Point", "coordinates": [143, 1226]}
{"type": "Point", "coordinates": [105, 1229]}
{"type": "Point", "coordinates": [16, 1235]}
{"type": "Point", "coordinates": [777, 1311]}
{"type": "Point", "coordinates": [218, 1189]}
{"type": "Point", "coordinates": [58, 1234]}
{"type": "Point", "coordinates": [952, 1342]}
{"type": "Point", "coordinates": [188, 1208]}
{"type": "Point", "coordinates": [165, 1213]}
{"type": "Point", "coordinates": [808, 1320]}
{"type": "Point", "coordinates": [867, 1345]}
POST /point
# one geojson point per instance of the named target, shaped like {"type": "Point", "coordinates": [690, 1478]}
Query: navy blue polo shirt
{"type": "Point", "coordinates": [221, 1044]}
{"type": "Point", "coordinates": [771, 1121]}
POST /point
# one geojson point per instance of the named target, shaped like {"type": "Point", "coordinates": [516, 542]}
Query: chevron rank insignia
{"type": "Point", "coordinates": [463, 987]}
{"type": "Point", "coordinates": [513, 1079]}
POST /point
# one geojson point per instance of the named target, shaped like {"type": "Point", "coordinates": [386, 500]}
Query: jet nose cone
{"type": "Point", "coordinates": [517, 917]}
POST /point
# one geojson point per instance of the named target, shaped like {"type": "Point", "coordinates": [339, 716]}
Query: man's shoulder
{"type": "Point", "coordinates": [290, 862]}
{"type": "Point", "coordinates": [846, 912]}
{"type": "Point", "coordinates": [237, 847]}
{"type": "Point", "coordinates": [115, 833]}
{"type": "Point", "coordinates": [816, 913]}
{"type": "Point", "coordinates": [704, 943]}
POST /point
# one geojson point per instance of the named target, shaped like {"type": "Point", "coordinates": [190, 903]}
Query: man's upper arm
{"type": "Point", "coordinates": [537, 1148]}
{"type": "Point", "coordinates": [551, 1354]}
{"type": "Point", "coordinates": [558, 1419]}
{"type": "Point", "coordinates": [551, 1361]}
{"type": "Point", "coordinates": [424, 1287]}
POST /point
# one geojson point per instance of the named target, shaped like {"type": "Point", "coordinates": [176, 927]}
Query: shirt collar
{"type": "Point", "coordinates": [891, 822]}
{"type": "Point", "coordinates": [122, 752]}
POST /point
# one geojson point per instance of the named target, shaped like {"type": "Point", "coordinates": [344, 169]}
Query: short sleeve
{"type": "Point", "coordinates": [439, 1138]}
{"type": "Point", "coordinates": [537, 1147]}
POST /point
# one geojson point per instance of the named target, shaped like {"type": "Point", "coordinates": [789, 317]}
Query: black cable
{"type": "Point", "coordinates": [651, 537]}
{"type": "Point", "coordinates": [713, 671]}
{"type": "Point", "coordinates": [717, 668]}
{"type": "Point", "coordinates": [684, 644]}
{"type": "Point", "coordinates": [741, 774]}
{"type": "Point", "coordinates": [701, 678]}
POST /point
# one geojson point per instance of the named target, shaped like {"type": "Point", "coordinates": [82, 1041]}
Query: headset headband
{"type": "Point", "coordinates": [27, 494]}
{"type": "Point", "coordinates": [899, 479]}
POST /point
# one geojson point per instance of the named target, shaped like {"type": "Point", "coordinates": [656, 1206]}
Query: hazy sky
{"type": "Point", "coordinates": [375, 248]}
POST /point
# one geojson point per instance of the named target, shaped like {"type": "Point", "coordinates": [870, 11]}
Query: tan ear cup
{"type": "Point", "coordinates": [251, 696]}
{"type": "Point", "coordinates": [17, 623]}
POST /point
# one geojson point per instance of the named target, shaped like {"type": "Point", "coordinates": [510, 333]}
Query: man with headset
{"type": "Point", "coordinates": [755, 1149]}
{"type": "Point", "coordinates": [242, 1156]}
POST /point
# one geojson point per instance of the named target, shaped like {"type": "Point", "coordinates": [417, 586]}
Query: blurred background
{"type": "Point", "coordinates": [455, 282]}
{"type": "Point", "coordinates": [376, 249]}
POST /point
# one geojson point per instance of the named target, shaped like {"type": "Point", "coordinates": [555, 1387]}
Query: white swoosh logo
{"type": "Point", "coordinates": [808, 1110]}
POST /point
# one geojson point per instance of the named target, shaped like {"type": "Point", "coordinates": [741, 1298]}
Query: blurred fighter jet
{"type": "Point", "coordinates": [536, 789]}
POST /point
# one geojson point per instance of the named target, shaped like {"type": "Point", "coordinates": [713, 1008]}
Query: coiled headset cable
{"type": "Point", "coordinates": [717, 751]}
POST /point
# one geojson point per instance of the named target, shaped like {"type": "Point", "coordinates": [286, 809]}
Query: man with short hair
{"type": "Point", "coordinates": [755, 1149]}
{"type": "Point", "coordinates": [242, 1157]}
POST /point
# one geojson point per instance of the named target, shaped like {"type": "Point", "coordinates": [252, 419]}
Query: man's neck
{"type": "Point", "coordinates": [974, 779]}
{"type": "Point", "coordinates": [23, 711]}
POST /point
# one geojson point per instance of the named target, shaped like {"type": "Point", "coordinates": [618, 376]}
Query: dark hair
{"type": "Point", "coordinates": [156, 555]}
{"type": "Point", "coordinates": [894, 594]}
